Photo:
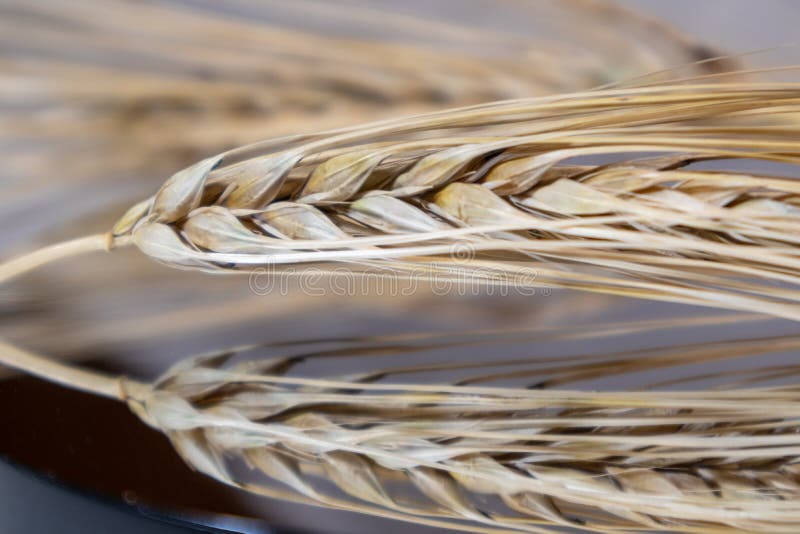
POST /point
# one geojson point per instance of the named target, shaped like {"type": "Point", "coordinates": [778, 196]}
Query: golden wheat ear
{"type": "Point", "coordinates": [513, 183]}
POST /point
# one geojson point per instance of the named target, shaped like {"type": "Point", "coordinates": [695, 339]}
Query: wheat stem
{"type": "Point", "coordinates": [51, 253]}
{"type": "Point", "coordinates": [60, 373]}
{"type": "Point", "coordinates": [41, 366]}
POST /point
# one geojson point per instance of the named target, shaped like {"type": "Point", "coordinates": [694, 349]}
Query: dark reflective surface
{"type": "Point", "coordinates": [101, 449]}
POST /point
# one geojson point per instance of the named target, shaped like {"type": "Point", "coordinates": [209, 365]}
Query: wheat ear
{"type": "Point", "coordinates": [499, 180]}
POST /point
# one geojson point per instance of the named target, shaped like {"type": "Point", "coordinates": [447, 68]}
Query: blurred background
{"type": "Point", "coordinates": [101, 100]}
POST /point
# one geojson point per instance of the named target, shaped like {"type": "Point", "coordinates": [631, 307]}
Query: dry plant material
{"type": "Point", "coordinates": [479, 457]}
{"type": "Point", "coordinates": [497, 182]}
{"type": "Point", "coordinates": [153, 86]}
{"type": "Point", "coordinates": [501, 181]}
{"type": "Point", "coordinates": [506, 193]}
{"type": "Point", "coordinates": [503, 459]}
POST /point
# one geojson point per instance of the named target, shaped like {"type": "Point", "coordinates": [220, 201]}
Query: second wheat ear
{"type": "Point", "coordinates": [514, 184]}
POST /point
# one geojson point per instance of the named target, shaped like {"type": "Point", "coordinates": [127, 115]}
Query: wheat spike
{"type": "Point", "coordinates": [482, 458]}
{"type": "Point", "coordinates": [499, 180]}
{"type": "Point", "coordinates": [659, 461]}
{"type": "Point", "coordinates": [496, 181]}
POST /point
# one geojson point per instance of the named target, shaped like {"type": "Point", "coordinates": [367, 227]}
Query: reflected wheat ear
{"type": "Point", "coordinates": [516, 183]}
